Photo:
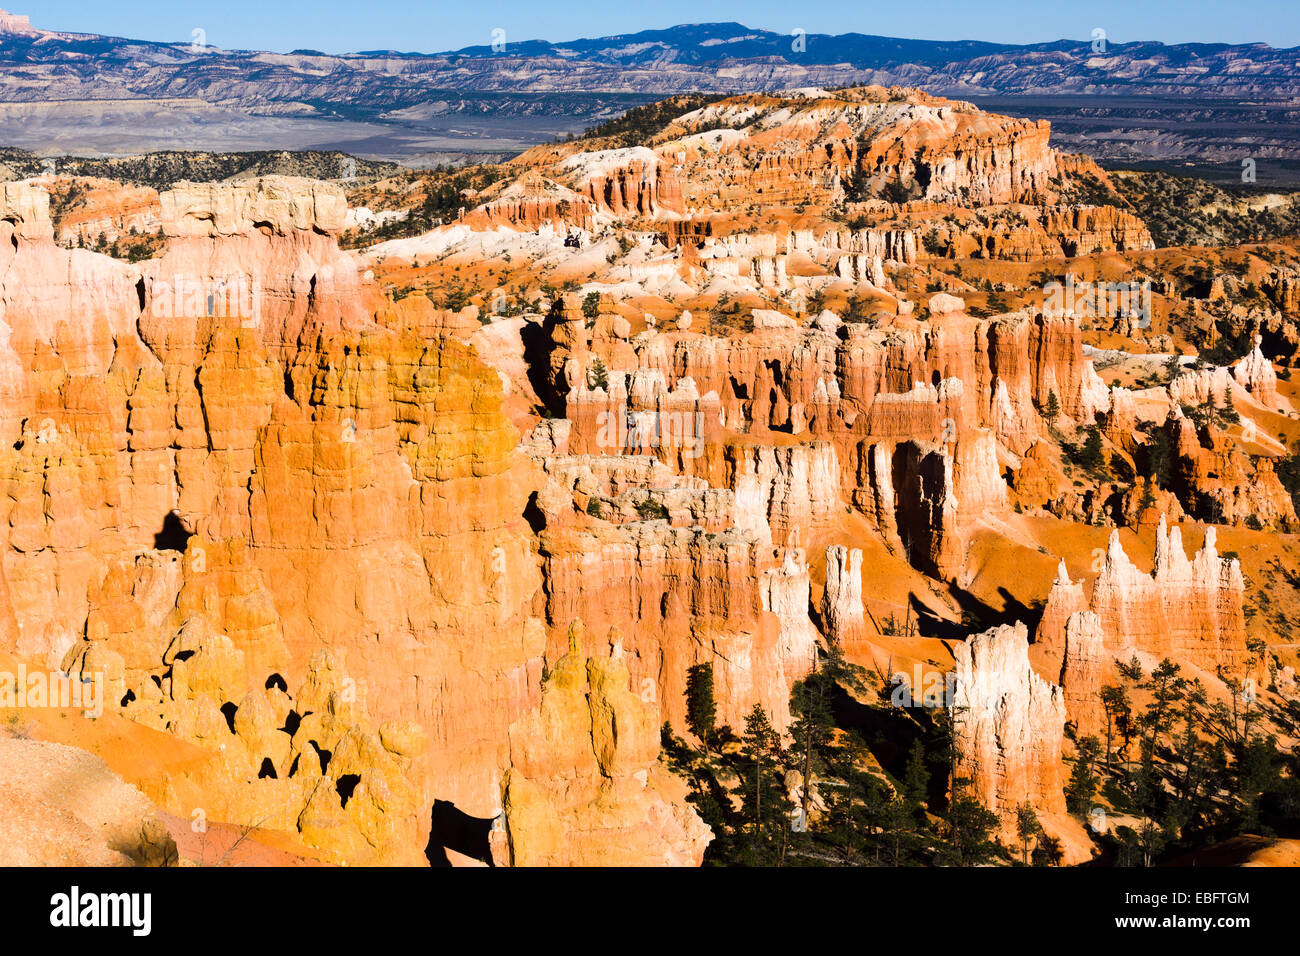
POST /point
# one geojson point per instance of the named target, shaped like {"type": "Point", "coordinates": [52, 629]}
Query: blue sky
{"type": "Point", "coordinates": [337, 26]}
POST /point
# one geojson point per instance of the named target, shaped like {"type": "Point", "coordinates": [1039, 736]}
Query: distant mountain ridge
{"type": "Point", "coordinates": [676, 59]}
{"type": "Point", "coordinates": [63, 93]}
{"type": "Point", "coordinates": [701, 43]}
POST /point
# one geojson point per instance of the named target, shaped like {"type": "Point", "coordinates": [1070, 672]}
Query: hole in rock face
{"type": "Point", "coordinates": [293, 767]}
{"type": "Point", "coordinates": [534, 515]}
{"type": "Point", "coordinates": [268, 769]}
{"type": "Point", "coordinates": [922, 177]}
{"type": "Point", "coordinates": [228, 709]}
{"type": "Point", "coordinates": [174, 535]}
{"type": "Point", "coordinates": [346, 785]}
{"type": "Point", "coordinates": [291, 722]}
{"type": "Point", "coordinates": [130, 696]}
{"type": "Point", "coordinates": [452, 829]}
{"type": "Point", "coordinates": [778, 376]}
{"type": "Point", "coordinates": [322, 755]}
{"type": "Point", "coordinates": [275, 680]}
{"type": "Point", "coordinates": [537, 357]}
{"type": "Point", "coordinates": [183, 655]}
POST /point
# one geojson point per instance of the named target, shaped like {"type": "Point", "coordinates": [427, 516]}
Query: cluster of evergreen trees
{"type": "Point", "coordinates": [442, 203]}
{"type": "Point", "coordinates": [1173, 774]}
{"type": "Point", "coordinates": [133, 247]}
{"type": "Point", "coordinates": [748, 786]}
{"type": "Point", "coordinates": [1181, 771]}
{"type": "Point", "coordinates": [641, 123]}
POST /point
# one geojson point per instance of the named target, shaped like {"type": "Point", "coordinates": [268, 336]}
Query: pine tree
{"type": "Point", "coordinates": [701, 709]}
{"type": "Point", "coordinates": [1148, 789]}
{"type": "Point", "coordinates": [1151, 840]}
{"type": "Point", "coordinates": [1166, 687]}
{"type": "Point", "coordinates": [1115, 704]}
{"type": "Point", "coordinates": [811, 730]}
{"type": "Point", "coordinates": [761, 789]}
{"type": "Point", "coordinates": [1130, 671]}
{"type": "Point", "coordinates": [968, 828]}
{"type": "Point", "coordinates": [1083, 782]}
{"type": "Point", "coordinates": [1028, 829]}
{"type": "Point", "coordinates": [897, 823]}
{"type": "Point", "coordinates": [814, 724]}
{"type": "Point", "coordinates": [1048, 852]}
{"type": "Point", "coordinates": [1258, 772]}
{"type": "Point", "coordinates": [1090, 456]}
{"type": "Point", "coordinates": [1148, 498]}
{"type": "Point", "coordinates": [1052, 410]}
{"type": "Point", "coordinates": [1230, 413]}
{"type": "Point", "coordinates": [916, 776]}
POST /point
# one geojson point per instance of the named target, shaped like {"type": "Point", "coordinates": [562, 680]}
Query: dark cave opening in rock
{"type": "Point", "coordinates": [322, 755]}
{"type": "Point", "coordinates": [292, 721]}
{"type": "Point", "coordinates": [534, 515]}
{"type": "Point", "coordinates": [450, 828]}
{"type": "Point", "coordinates": [228, 709]}
{"type": "Point", "coordinates": [538, 346]}
{"type": "Point", "coordinates": [346, 785]}
{"type": "Point", "coordinates": [174, 536]}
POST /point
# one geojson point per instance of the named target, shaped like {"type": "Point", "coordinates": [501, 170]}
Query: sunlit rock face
{"type": "Point", "coordinates": [715, 398]}
{"type": "Point", "coordinates": [584, 786]}
{"type": "Point", "coordinates": [1008, 724]}
{"type": "Point", "coordinates": [1188, 609]}
{"type": "Point", "coordinates": [1008, 733]}
{"type": "Point", "coordinates": [246, 460]}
